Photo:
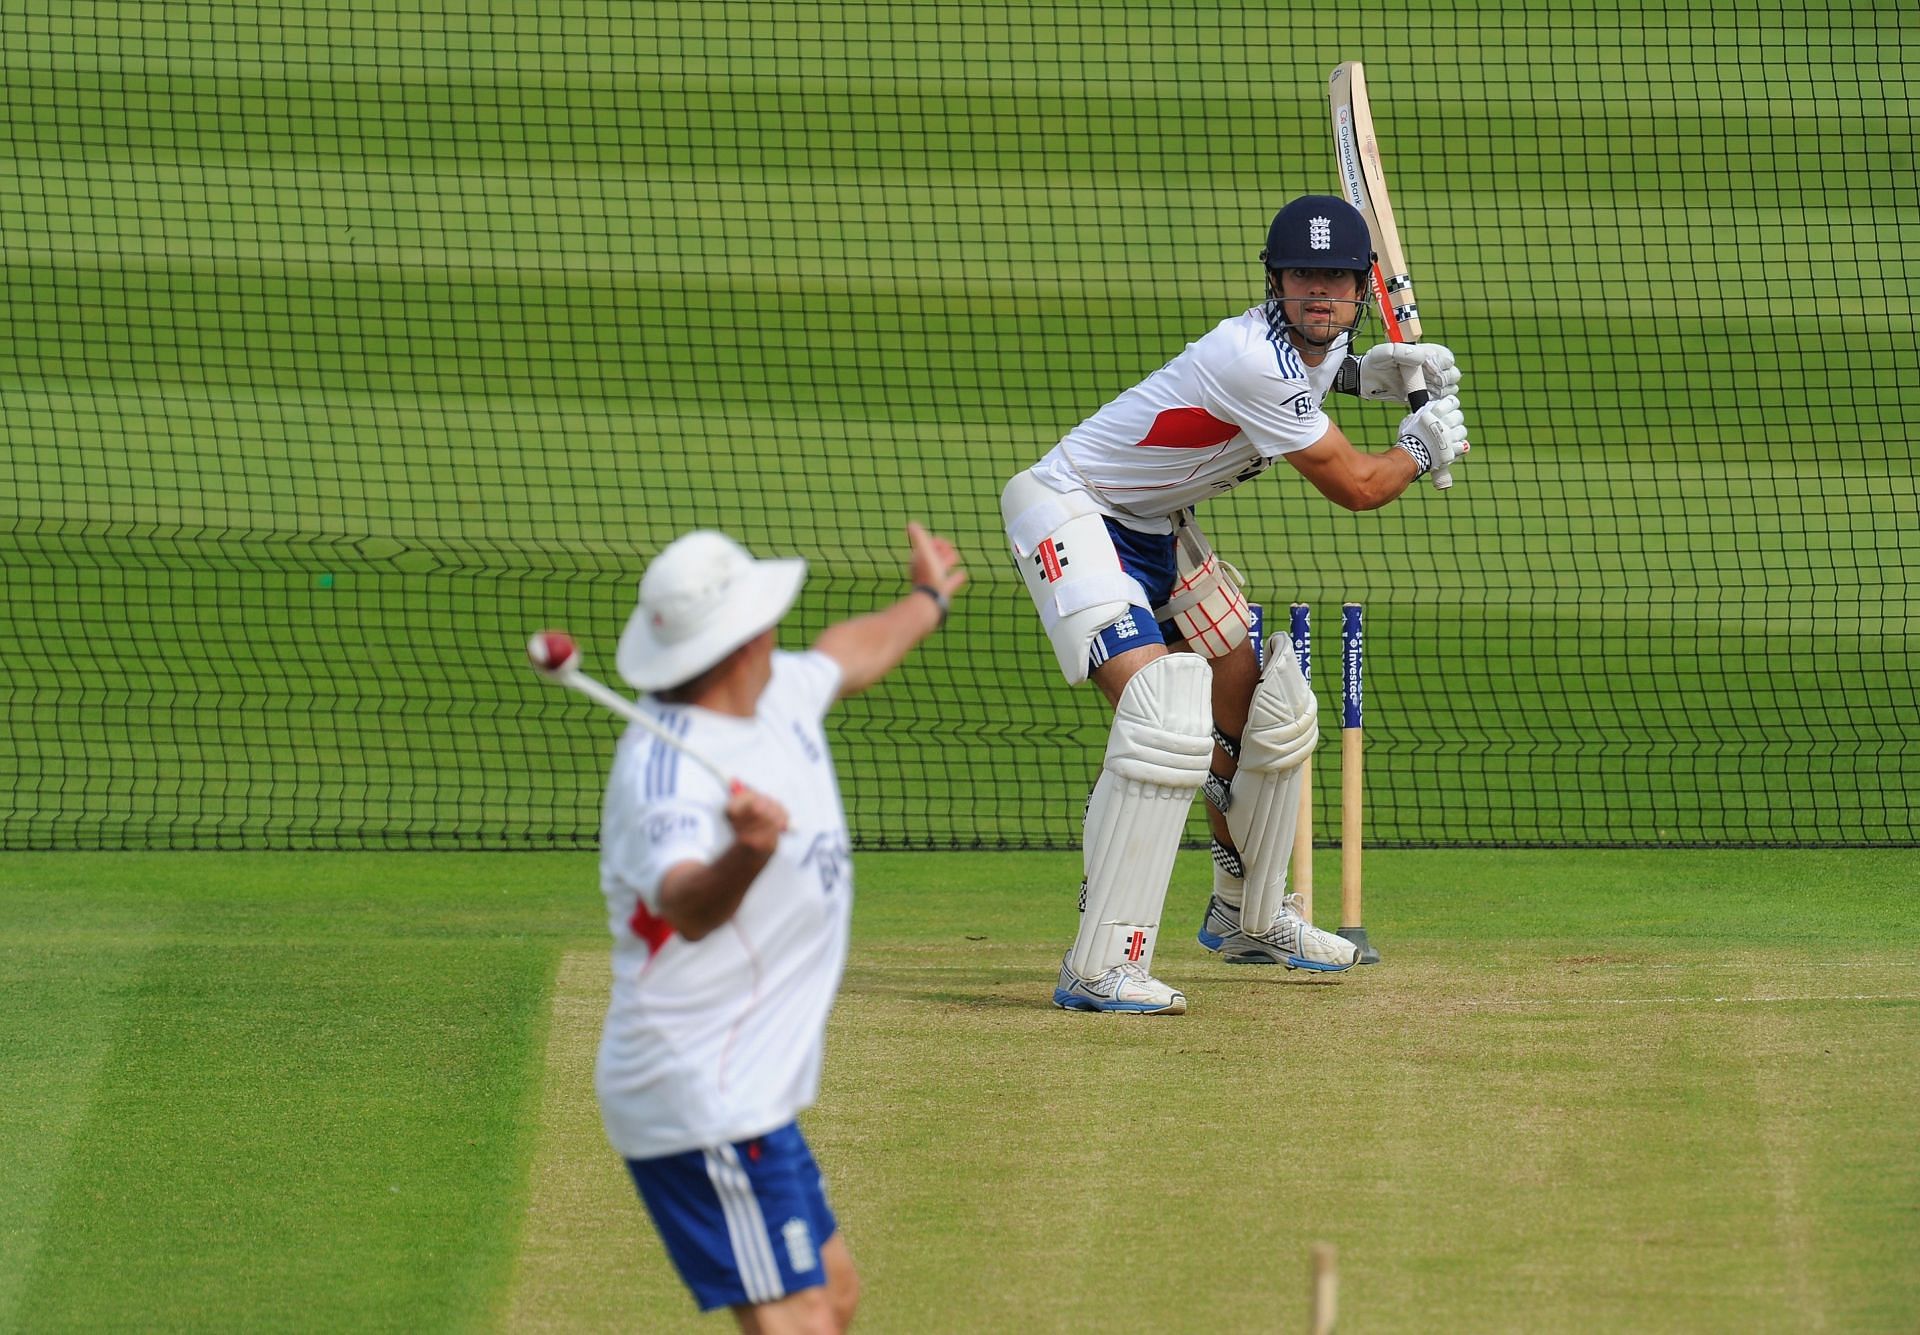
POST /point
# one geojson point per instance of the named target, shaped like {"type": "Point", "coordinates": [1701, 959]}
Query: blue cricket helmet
{"type": "Point", "coordinates": [1319, 232]}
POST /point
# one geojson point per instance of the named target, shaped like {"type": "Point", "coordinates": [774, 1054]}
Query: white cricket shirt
{"type": "Point", "coordinates": [1217, 415]}
{"type": "Point", "coordinates": [720, 1039]}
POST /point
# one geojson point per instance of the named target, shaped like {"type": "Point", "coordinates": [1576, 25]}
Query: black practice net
{"type": "Point", "coordinates": [347, 344]}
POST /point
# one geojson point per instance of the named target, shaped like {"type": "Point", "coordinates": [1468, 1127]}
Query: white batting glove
{"type": "Point", "coordinates": [1383, 371]}
{"type": "Point", "coordinates": [1435, 436]}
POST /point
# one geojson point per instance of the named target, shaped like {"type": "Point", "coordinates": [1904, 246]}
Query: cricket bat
{"type": "Point", "coordinates": [1356, 151]}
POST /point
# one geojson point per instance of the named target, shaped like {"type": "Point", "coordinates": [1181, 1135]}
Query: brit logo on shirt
{"type": "Point", "coordinates": [665, 824]}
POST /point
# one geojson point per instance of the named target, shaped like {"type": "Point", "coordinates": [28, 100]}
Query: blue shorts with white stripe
{"type": "Point", "coordinates": [1149, 559]}
{"type": "Point", "coordinates": [743, 1222]}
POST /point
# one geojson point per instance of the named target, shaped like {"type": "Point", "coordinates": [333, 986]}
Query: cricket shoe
{"type": "Point", "coordinates": [1220, 923]}
{"type": "Point", "coordinates": [1291, 940]}
{"type": "Point", "coordinates": [1125, 988]}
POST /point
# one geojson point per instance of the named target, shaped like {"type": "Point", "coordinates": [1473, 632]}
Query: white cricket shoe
{"type": "Point", "coordinates": [1291, 940]}
{"type": "Point", "coordinates": [1125, 988]}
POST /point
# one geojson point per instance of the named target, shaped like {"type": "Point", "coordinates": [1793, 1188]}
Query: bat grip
{"type": "Point", "coordinates": [1416, 400]}
{"type": "Point", "coordinates": [1414, 380]}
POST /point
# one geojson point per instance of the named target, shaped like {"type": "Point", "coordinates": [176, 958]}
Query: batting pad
{"type": "Point", "coordinates": [1157, 755]}
{"type": "Point", "coordinates": [1283, 727]}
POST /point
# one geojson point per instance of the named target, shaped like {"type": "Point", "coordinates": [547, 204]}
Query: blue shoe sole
{"type": "Point", "coordinates": [1073, 1001]}
{"type": "Point", "coordinates": [1208, 939]}
{"type": "Point", "coordinates": [1295, 962]}
{"type": "Point", "coordinates": [1292, 962]}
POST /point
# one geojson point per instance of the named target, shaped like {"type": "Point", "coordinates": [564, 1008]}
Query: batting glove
{"type": "Point", "coordinates": [1435, 436]}
{"type": "Point", "coordinates": [1383, 371]}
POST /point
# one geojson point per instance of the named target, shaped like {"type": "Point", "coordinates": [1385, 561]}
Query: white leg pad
{"type": "Point", "coordinates": [1283, 727]}
{"type": "Point", "coordinates": [1263, 821]}
{"type": "Point", "coordinates": [1157, 756]}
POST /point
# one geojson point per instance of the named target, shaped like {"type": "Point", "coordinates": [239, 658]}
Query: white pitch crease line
{"type": "Point", "coordinates": [1694, 1001]}
{"type": "Point", "coordinates": [1895, 966]}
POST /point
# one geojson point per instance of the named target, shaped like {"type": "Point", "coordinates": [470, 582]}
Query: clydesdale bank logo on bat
{"type": "Point", "coordinates": [1349, 156]}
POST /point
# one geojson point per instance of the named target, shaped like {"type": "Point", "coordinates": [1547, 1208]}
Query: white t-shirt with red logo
{"type": "Point", "coordinates": [1217, 415]}
{"type": "Point", "coordinates": [721, 1039]}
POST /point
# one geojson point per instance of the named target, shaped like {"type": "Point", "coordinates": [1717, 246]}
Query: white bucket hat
{"type": "Point", "coordinates": [701, 598]}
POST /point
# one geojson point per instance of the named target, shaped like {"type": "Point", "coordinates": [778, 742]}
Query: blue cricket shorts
{"type": "Point", "coordinates": [743, 1222]}
{"type": "Point", "coordinates": [1150, 559]}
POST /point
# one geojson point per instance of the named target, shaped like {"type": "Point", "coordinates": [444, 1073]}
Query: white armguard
{"type": "Point", "coordinates": [1207, 604]}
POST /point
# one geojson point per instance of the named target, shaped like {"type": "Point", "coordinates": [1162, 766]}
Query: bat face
{"type": "Point", "coordinates": [1360, 175]}
{"type": "Point", "coordinates": [1363, 177]}
{"type": "Point", "coordinates": [1356, 152]}
{"type": "Point", "coordinates": [1346, 152]}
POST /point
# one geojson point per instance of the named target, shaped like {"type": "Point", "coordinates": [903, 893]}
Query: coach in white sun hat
{"type": "Point", "coordinates": [730, 903]}
{"type": "Point", "coordinates": [703, 597]}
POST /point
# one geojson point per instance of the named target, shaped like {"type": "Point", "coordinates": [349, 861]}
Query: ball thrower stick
{"type": "Point", "coordinates": [556, 657]}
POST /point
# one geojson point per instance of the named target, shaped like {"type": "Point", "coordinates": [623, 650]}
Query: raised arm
{"type": "Point", "coordinates": [868, 647]}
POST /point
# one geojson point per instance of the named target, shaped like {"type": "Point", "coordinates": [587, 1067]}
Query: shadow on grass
{"type": "Point", "coordinates": [1027, 989]}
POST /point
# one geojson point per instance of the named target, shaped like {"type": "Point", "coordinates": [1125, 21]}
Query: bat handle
{"type": "Point", "coordinates": [1416, 400]}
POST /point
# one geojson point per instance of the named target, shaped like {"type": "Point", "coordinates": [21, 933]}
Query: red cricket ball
{"type": "Point", "coordinates": [552, 650]}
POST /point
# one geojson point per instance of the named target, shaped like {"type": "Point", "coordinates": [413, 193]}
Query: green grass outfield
{"type": "Point", "coordinates": [1648, 1091]}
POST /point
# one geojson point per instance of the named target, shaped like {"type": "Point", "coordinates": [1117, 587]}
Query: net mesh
{"type": "Point", "coordinates": [348, 344]}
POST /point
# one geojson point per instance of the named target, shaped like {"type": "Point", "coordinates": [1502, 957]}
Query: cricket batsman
{"type": "Point", "coordinates": [1132, 595]}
